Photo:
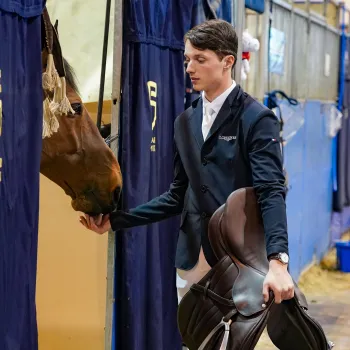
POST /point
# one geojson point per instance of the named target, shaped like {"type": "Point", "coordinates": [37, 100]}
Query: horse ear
{"type": "Point", "coordinates": [56, 25]}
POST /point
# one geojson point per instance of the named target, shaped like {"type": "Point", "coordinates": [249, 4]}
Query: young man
{"type": "Point", "coordinates": [214, 156]}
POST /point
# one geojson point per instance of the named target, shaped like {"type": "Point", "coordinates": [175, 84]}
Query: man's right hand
{"type": "Point", "coordinates": [99, 224]}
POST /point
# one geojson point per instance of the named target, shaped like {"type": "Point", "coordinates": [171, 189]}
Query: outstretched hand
{"type": "Point", "coordinates": [99, 224]}
{"type": "Point", "coordinates": [279, 281]}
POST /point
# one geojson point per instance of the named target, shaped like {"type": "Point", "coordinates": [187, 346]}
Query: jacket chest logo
{"type": "Point", "coordinates": [227, 138]}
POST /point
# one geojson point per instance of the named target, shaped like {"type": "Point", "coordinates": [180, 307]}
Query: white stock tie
{"type": "Point", "coordinates": [208, 120]}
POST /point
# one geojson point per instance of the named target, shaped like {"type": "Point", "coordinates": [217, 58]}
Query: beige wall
{"type": "Point", "coordinates": [71, 279]}
{"type": "Point", "coordinates": [331, 11]}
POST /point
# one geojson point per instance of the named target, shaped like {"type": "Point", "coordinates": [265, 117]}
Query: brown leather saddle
{"type": "Point", "coordinates": [226, 309]}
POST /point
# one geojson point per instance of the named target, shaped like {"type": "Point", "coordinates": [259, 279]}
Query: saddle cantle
{"type": "Point", "coordinates": [226, 309]}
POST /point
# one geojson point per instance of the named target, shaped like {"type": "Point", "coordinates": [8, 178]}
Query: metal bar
{"type": "Point", "coordinates": [315, 18]}
{"type": "Point", "coordinates": [268, 45]}
{"type": "Point", "coordinates": [103, 66]}
{"type": "Point", "coordinates": [340, 94]}
{"type": "Point", "coordinates": [233, 13]}
{"type": "Point", "coordinates": [325, 6]}
{"type": "Point", "coordinates": [307, 45]}
{"type": "Point", "coordinates": [342, 58]}
{"type": "Point", "coordinates": [262, 72]}
{"type": "Point", "coordinates": [110, 319]}
{"type": "Point", "coordinates": [334, 30]}
{"type": "Point", "coordinates": [290, 68]}
{"type": "Point", "coordinates": [239, 12]}
{"type": "Point", "coordinates": [301, 13]}
{"type": "Point", "coordinates": [257, 35]}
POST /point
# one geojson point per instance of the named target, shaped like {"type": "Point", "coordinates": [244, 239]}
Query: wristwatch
{"type": "Point", "coordinates": [282, 257]}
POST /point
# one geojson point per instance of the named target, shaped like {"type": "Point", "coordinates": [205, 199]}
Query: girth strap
{"type": "Point", "coordinates": [226, 321]}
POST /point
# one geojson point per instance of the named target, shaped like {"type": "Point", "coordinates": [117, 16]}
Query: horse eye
{"type": "Point", "coordinates": [77, 108]}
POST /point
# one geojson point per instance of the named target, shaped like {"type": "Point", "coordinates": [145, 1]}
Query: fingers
{"type": "Point", "coordinates": [88, 220]}
{"type": "Point", "coordinates": [91, 221]}
{"type": "Point", "coordinates": [98, 224]}
{"type": "Point", "coordinates": [292, 293]}
{"type": "Point", "coordinates": [84, 222]}
{"type": "Point", "coordinates": [281, 293]}
{"type": "Point", "coordinates": [278, 294]}
{"type": "Point", "coordinates": [98, 220]}
{"type": "Point", "coordinates": [105, 219]}
{"type": "Point", "coordinates": [94, 226]}
{"type": "Point", "coordinates": [288, 292]}
{"type": "Point", "coordinates": [266, 292]}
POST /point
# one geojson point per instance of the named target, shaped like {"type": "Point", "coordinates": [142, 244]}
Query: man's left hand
{"type": "Point", "coordinates": [99, 224]}
{"type": "Point", "coordinates": [279, 281]}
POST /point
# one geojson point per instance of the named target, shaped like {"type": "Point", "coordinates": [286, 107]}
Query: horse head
{"type": "Point", "coordinates": [74, 154]}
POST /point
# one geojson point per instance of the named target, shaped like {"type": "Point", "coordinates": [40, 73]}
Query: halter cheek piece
{"type": "Point", "coordinates": [56, 102]}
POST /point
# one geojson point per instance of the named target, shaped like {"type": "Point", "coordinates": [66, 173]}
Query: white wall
{"type": "Point", "coordinates": [81, 31]}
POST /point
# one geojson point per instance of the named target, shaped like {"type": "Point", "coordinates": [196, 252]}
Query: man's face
{"type": "Point", "coordinates": [204, 67]}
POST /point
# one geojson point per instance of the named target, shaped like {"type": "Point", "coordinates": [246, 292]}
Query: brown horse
{"type": "Point", "coordinates": [74, 154]}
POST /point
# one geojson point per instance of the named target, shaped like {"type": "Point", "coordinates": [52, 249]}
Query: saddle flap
{"type": "Point", "coordinates": [291, 327]}
{"type": "Point", "coordinates": [247, 291]}
{"type": "Point", "coordinates": [300, 297]}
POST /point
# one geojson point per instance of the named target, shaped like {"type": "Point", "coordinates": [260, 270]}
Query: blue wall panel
{"type": "Point", "coordinates": [294, 166]}
{"type": "Point", "coordinates": [309, 200]}
{"type": "Point", "coordinates": [326, 193]}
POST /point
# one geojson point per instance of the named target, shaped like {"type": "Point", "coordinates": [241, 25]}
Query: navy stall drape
{"type": "Point", "coordinates": [153, 95]}
{"type": "Point", "coordinates": [342, 193]}
{"type": "Point", "coordinates": [20, 152]}
{"type": "Point", "coordinates": [23, 8]}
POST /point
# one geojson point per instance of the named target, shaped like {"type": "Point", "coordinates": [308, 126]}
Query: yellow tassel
{"type": "Point", "coordinates": [57, 94]}
{"type": "Point", "coordinates": [54, 107]}
{"type": "Point", "coordinates": [50, 121]}
{"type": "Point", "coordinates": [54, 124]}
{"type": "Point", "coordinates": [46, 119]}
{"type": "Point", "coordinates": [55, 77]}
{"type": "Point", "coordinates": [46, 130]}
{"type": "Point", "coordinates": [47, 80]}
{"type": "Point", "coordinates": [65, 106]}
{"type": "Point", "coordinates": [50, 77]}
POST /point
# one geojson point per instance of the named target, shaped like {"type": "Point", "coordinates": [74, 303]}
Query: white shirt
{"type": "Point", "coordinates": [211, 109]}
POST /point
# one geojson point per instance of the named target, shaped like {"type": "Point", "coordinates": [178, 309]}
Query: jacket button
{"type": "Point", "coordinates": [204, 188]}
{"type": "Point", "coordinates": [203, 215]}
{"type": "Point", "coordinates": [205, 161]}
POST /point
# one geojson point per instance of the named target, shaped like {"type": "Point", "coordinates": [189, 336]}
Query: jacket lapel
{"type": "Point", "coordinates": [228, 109]}
{"type": "Point", "coordinates": [196, 121]}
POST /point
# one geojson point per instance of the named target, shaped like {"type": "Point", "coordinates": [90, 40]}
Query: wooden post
{"type": "Point", "coordinates": [238, 17]}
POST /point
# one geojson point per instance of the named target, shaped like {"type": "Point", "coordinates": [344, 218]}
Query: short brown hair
{"type": "Point", "coordinates": [216, 35]}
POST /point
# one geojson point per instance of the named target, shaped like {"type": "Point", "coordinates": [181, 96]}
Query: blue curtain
{"type": "Point", "coordinates": [153, 95]}
{"type": "Point", "coordinates": [23, 8]}
{"type": "Point", "coordinates": [20, 152]}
